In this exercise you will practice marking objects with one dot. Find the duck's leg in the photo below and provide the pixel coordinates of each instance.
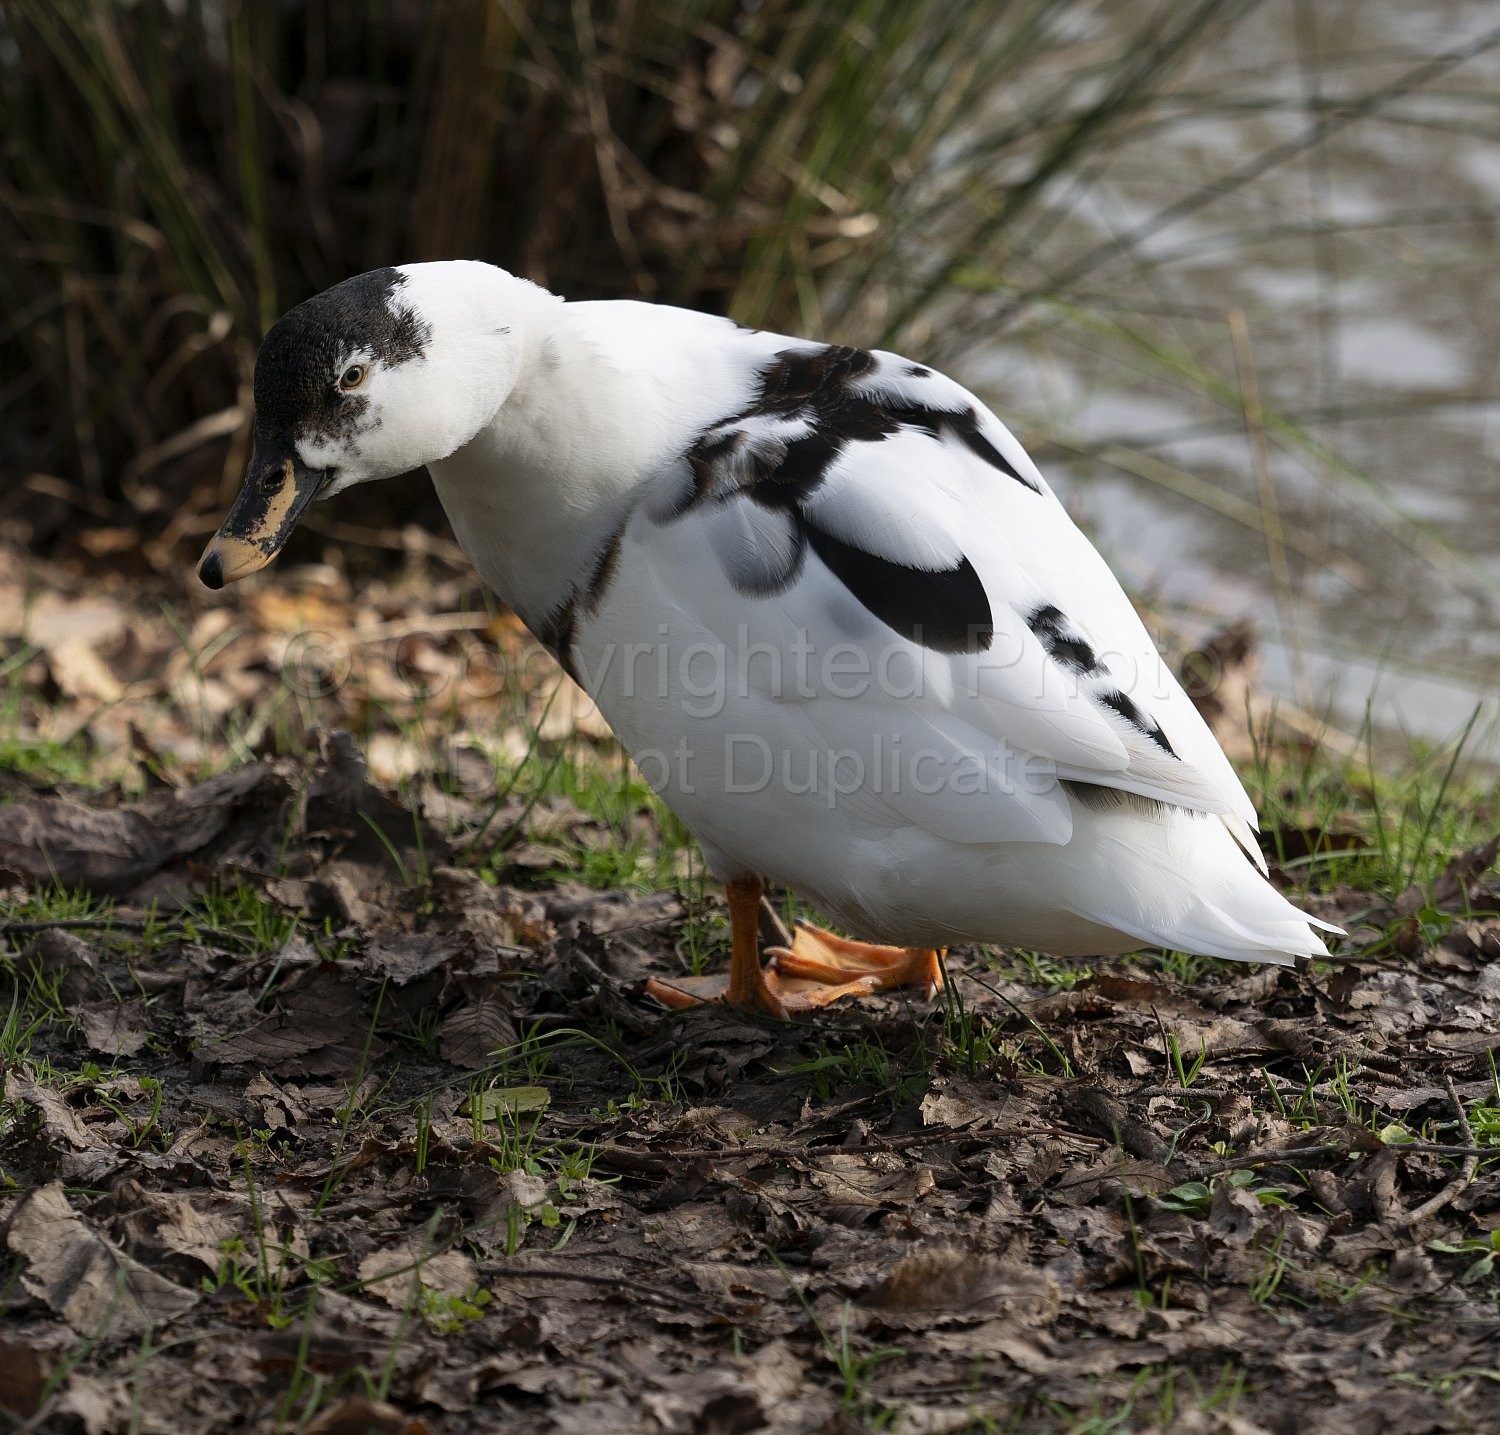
(816, 969)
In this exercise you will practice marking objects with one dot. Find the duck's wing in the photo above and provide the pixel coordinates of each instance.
(859, 485)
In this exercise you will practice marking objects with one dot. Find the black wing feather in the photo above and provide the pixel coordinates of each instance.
(835, 394)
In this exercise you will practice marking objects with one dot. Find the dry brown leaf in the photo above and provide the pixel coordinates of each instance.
(1452, 887)
(944, 1109)
(1064, 1006)
(502, 915)
(1212, 1039)
(89, 1281)
(283, 610)
(394, 1274)
(956, 1280)
(332, 896)
(27, 1359)
(55, 619)
(567, 710)
(109, 850)
(195, 1228)
(1151, 996)
(360, 1415)
(116, 1029)
(323, 1027)
(70, 960)
(1235, 1213)
(471, 1035)
(81, 673)
(60, 1123)
(101, 1405)
(875, 1180)
(406, 956)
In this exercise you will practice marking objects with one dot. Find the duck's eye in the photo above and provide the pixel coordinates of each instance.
(352, 377)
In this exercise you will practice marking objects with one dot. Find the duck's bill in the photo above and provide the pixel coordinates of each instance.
(277, 489)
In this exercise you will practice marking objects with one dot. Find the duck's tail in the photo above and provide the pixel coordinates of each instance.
(1186, 883)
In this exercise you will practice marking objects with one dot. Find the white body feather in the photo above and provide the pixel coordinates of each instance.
(916, 795)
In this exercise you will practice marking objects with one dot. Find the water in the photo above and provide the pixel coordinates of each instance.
(1367, 269)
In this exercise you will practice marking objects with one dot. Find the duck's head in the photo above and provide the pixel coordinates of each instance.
(377, 376)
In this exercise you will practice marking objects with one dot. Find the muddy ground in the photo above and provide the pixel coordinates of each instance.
(323, 1114)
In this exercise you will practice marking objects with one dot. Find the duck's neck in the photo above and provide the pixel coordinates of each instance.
(610, 394)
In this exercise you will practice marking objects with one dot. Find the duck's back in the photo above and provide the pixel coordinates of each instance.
(842, 622)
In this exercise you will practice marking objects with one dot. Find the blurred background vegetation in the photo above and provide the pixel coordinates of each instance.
(1162, 236)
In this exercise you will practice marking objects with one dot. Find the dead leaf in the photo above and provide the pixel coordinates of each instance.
(1222, 1036)
(72, 961)
(1150, 996)
(870, 1181)
(944, 1109)
(1110, 1174)
(86, 1279)
(27, 1360)
(101, 1405)
(501, 915)
(567, 710)
(330, 896)
(1409, 941)
(55, 619)
(360, 1415)
(323, 1028)
(471, 1035)
(1234, 1213)
(1064, 1006)
(81, 673)
(955, 1280)
(1452, 887)
(110, 850)
(114, 1028)
(60, 1123)
(394, 1274)
(404, 957)
(1408, 1098)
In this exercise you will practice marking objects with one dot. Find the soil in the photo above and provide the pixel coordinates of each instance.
(431, 1161)
(333, 1100)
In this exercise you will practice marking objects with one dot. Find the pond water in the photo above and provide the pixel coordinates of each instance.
(1365, 268)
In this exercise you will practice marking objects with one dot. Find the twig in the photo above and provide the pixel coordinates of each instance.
(774, 932)
(1195, 1091)
(1289, 1155)
(1286, 1155)
(864, 1148)
(1466, 1173)
(635, 1286)
(1100, 1110)
(121, 924)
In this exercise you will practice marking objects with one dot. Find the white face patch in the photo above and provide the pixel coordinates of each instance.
(430, 351)
(341, 481)
(346, 449)
(364, 358)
